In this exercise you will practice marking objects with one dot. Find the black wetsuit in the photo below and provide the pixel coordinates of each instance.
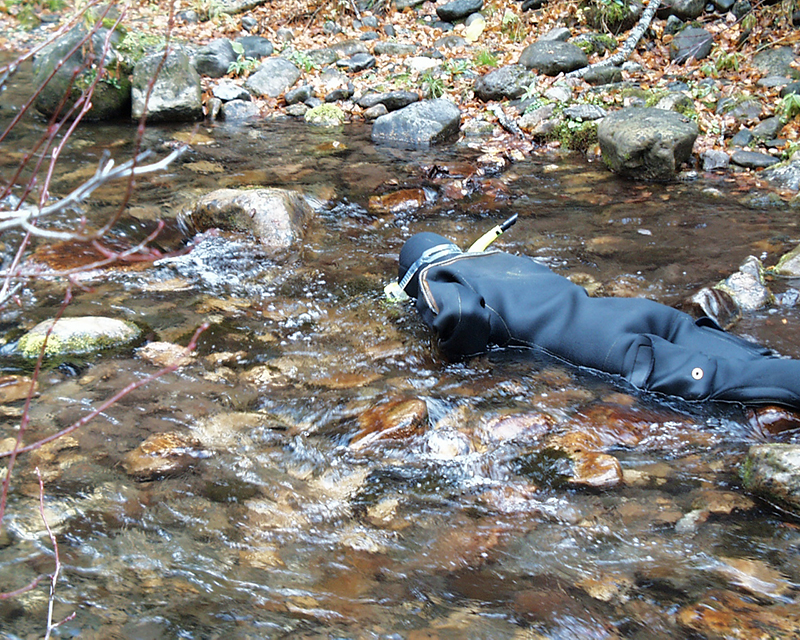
(476, 300)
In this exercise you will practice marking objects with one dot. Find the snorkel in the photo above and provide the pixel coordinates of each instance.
(430, 248)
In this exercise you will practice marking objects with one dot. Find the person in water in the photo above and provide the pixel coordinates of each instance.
(478, 299)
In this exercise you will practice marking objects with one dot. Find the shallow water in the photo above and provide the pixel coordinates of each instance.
(279, 526)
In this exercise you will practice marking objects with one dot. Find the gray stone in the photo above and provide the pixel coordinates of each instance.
(176, 94)
(458, 9)
(418, 125)
(214, 59)
(392, 100)
(646, 143)
(276, 217)
(775, 62)
(789, 264)
(692, 42)
(723, 6)
(585, 112)
(742, 138)
(322, 57)
(509, 82)
(393, 49)
(110, 99)
(357, 62)
(407, 4)
(374, 112)
(559, 34)
(773, 472)
(794, 87)
(535, 122)
(367, 36)
(299, 94)
(226, 90)
(450, 42)
(752, 159)
(740, 108)
(713, 160)
(77, 336)
(785, 176)
(674, 24)
(552, 58)
(272, 78)
(684, 9)
(603, 75)
(771, 82)
(345, 92)
(768, 128)
(348, 48)
(255, 47)
(747, 286)
(249, 24)
(675, 101)
(297, 110)
(239, 111)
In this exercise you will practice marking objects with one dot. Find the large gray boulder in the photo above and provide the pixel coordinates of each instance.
(420, 124)
(214, 59)
(691, 43)
(176, 95)
(646, 143)
(552, 57)
(111, 97)
(458, 9)
(276, 217)
(273, 77)
(506, 83)
(773, 472)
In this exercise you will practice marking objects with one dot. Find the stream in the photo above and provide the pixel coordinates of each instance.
(279, 524)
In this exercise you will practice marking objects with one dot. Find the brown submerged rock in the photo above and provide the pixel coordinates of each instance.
(722, 614)
(395, 420)
(161, 455)
(13, 387)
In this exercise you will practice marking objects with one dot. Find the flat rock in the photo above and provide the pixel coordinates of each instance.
(77, 336)
(646, 143)
(458, 9)
(552, 57)
(753, 159)
(420, 124)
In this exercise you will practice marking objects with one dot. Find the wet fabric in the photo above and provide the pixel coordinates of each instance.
(475, 301)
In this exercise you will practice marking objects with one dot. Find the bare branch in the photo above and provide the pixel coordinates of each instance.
(26, 217)
(627, 47)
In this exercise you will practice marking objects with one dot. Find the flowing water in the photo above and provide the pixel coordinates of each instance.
(280, 525)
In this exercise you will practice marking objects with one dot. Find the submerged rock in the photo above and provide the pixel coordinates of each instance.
(13, 387)
(773, 472)
(77, 336)
(161, 455)
(394, 420)
(276, 217)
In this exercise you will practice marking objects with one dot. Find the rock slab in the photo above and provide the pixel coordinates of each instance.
(420, 124)
(645, 143)
(77, 336)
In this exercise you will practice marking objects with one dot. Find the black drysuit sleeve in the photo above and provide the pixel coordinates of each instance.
(474, 301)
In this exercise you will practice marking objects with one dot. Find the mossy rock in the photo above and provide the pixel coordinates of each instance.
(77, 336)
(325, 115)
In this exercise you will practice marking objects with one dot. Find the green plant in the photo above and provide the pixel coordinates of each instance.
(456, 67)
(576, 135)
(485, 58)
(136, 44)
(432, 85)
(511, 26)
(299, 59)
(789, 106)
(242, 65)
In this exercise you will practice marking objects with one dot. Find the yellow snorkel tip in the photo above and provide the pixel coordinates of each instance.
(490, 236)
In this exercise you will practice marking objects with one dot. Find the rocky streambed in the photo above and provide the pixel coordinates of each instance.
(315, 468)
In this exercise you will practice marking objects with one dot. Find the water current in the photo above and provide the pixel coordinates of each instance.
(280, 526)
